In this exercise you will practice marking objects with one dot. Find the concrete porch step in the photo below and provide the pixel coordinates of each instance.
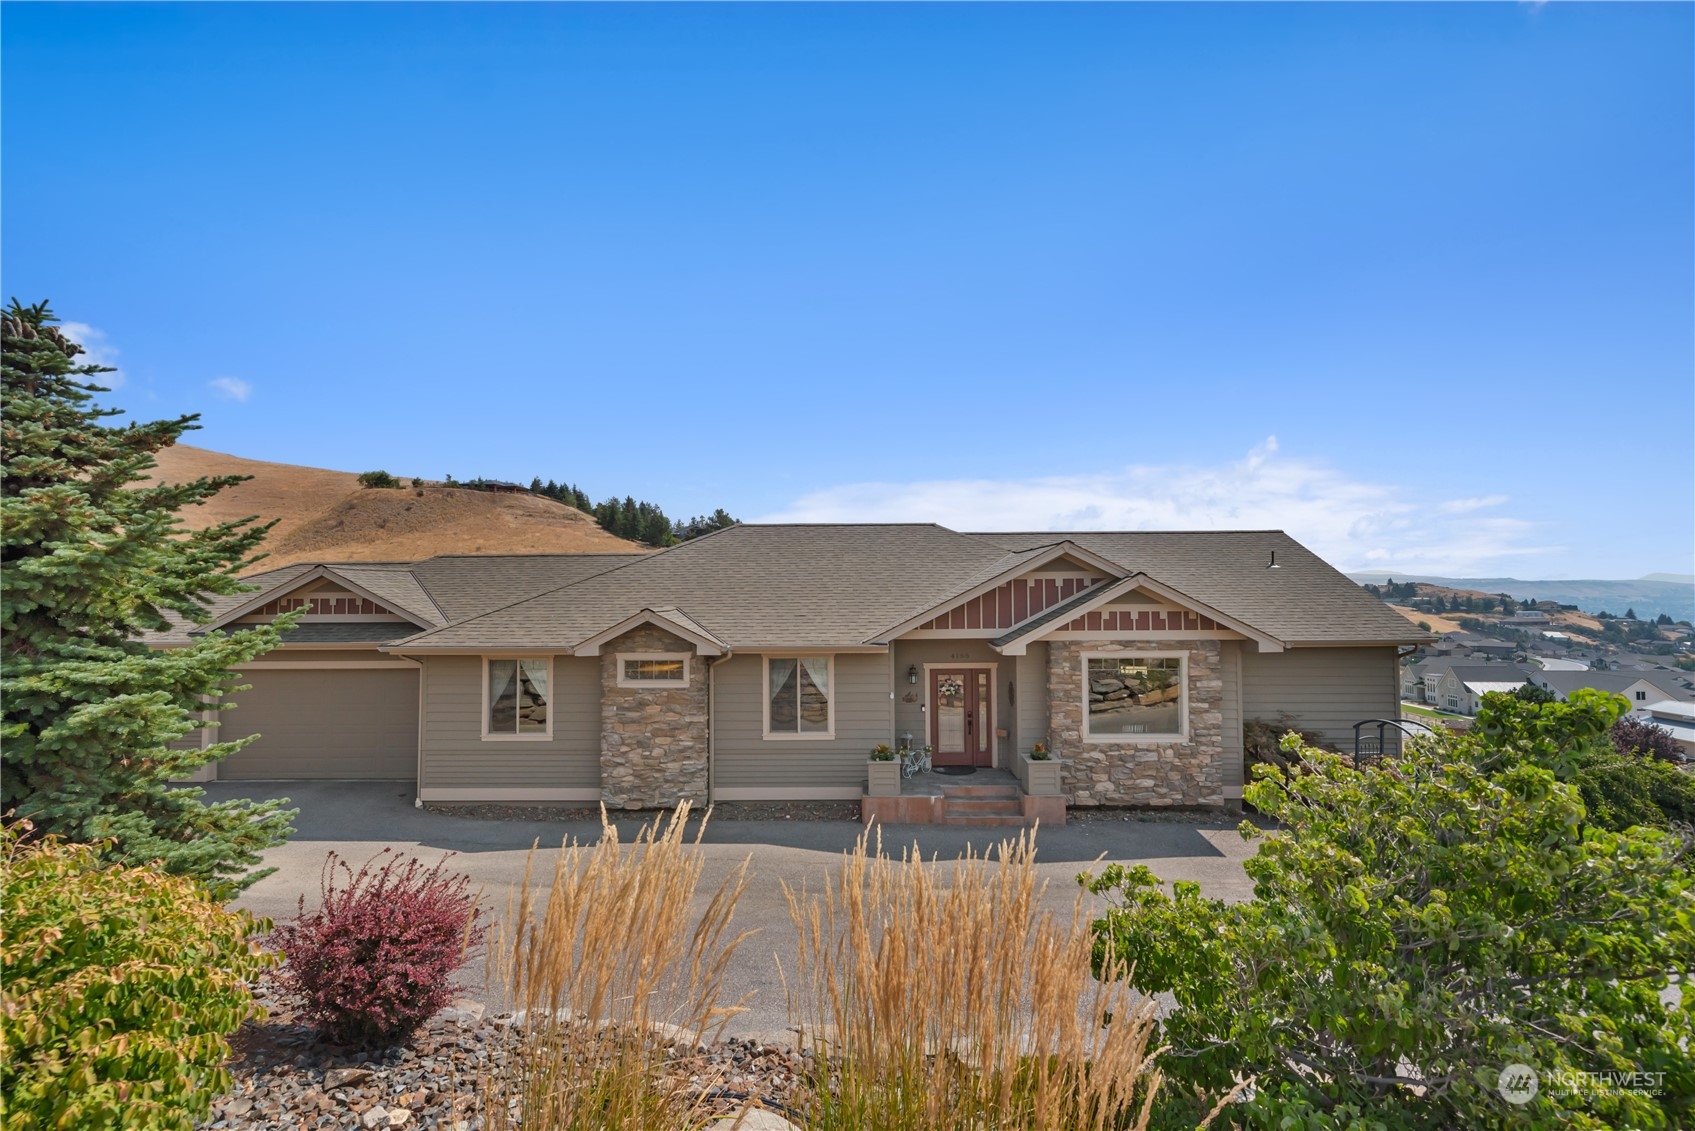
(984, 807)
(995, 821)
(997, 790)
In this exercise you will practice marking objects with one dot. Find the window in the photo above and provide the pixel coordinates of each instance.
(1641, 695)
(797, 697)
(516, 698)
(1134, 696)
(653, 669)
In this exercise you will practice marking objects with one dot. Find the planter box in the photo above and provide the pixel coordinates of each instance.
(1039, 779)
(882, 779)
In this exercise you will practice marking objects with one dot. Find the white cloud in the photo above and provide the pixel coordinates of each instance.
(1466, 506)
(96, 350)
(231, 388)
(1353, 523)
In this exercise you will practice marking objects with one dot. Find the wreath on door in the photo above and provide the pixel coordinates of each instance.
(948, 686)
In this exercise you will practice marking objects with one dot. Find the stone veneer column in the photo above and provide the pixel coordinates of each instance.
(652, 739)
(1178, 772)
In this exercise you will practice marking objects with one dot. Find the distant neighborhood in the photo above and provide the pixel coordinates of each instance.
(1494, 642)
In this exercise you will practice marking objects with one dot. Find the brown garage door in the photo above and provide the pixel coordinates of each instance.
(342, 723)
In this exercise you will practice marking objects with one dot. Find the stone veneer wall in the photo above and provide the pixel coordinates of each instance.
(1177, 772)
(652, 739)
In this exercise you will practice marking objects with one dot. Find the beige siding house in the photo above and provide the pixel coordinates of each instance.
(764, 662)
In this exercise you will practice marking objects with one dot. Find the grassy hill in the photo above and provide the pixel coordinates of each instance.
(325, 515)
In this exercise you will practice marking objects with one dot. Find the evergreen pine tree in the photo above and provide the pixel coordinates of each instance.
(92, 560)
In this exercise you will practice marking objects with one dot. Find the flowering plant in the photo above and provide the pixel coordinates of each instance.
(882, 752)
(1039, 752)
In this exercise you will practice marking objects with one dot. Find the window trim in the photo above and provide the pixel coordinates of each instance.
(663, 684)
(827, 735)
(1177, 736)
(552, 698)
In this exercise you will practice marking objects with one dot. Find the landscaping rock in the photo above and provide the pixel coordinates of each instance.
(346, 1077)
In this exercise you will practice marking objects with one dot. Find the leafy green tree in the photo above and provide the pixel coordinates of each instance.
(1417, 927)
(93, 559)
(700, 525)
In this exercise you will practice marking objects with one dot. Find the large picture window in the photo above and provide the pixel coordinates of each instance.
(1133, 696)
(797, 697)
(516, 702)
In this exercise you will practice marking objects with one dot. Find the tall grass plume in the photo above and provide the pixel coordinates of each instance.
(604, 976)
(943, 996)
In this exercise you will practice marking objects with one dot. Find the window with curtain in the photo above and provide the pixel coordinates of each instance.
(798, 694)
(517, 698)
(1131, 696)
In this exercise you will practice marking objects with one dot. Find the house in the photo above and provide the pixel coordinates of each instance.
(1458, 685)
(762, 662)
(1641, 688)
(1486, 646)
(1678, 718)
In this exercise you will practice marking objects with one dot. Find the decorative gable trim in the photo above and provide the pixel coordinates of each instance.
(1092, 617)
(670, 619)
(987, 599)
(277, 599)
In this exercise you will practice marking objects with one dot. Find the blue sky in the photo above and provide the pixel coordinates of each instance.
(1416, 283)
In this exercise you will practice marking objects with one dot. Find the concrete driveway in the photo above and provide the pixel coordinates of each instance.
(356, 819)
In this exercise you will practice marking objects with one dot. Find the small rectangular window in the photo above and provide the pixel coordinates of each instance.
(798, 696)
(669, 669)
(517, 699)
(1134, 696)
(1641, 695)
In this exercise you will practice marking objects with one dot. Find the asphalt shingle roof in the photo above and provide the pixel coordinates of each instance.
(1567, 682)
(816, 586)
(843, 585)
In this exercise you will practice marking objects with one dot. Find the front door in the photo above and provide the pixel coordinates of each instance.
(961, 729)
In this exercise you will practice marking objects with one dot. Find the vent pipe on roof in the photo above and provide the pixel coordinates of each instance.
(1273, 563)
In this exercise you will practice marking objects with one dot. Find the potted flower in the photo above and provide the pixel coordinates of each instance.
(1038, 773)
(882, 772)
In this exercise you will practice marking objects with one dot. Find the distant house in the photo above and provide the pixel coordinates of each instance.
(1555, 664)
(1643, 689)
(1679, 719)
(1485, 645)
(1458, 685)
(1530, 616)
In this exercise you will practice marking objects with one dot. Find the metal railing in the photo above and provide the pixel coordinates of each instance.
(1370, 748)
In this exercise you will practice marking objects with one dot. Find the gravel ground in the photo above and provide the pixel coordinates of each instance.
(287, 1078)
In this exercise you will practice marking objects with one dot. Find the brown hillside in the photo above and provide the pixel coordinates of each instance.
(325, 515)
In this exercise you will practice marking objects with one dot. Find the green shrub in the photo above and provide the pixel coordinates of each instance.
(1416, 928)
(120, 985)
(377, 479)
(1627, 789)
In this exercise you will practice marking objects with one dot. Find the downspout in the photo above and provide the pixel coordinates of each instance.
(711, 729)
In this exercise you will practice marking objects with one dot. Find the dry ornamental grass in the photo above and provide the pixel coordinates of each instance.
(932, 996)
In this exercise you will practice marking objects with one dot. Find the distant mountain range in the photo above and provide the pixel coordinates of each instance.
(1669, 593)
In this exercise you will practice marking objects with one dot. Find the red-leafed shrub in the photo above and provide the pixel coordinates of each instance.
(1632, 735)
(377, 958)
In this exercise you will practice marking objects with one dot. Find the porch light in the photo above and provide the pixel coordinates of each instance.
(912, 674)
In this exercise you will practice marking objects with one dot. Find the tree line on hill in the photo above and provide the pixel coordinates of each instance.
(1405, 591)
(628, 518)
